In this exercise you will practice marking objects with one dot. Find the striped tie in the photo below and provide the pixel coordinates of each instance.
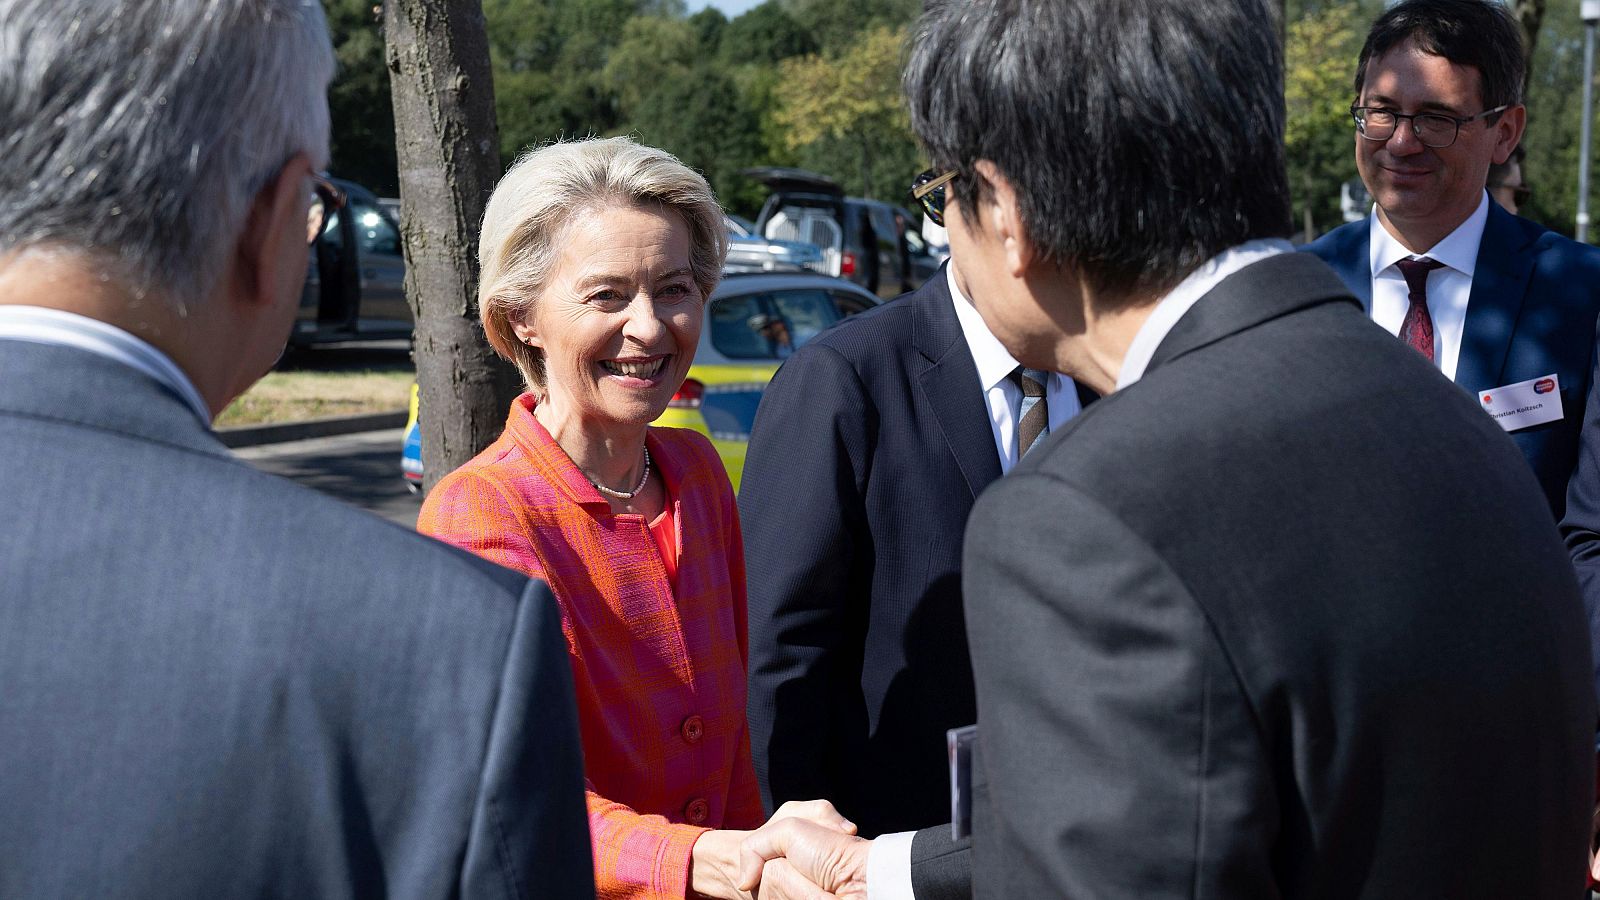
(1033, 417)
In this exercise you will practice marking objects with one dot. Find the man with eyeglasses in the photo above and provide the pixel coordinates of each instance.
(1503, 307)
(869, 449)
(214, 683)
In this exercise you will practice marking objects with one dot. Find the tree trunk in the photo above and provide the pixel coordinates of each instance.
(448, 152)
(1283, 28)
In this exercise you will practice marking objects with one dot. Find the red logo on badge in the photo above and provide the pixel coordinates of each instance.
(1544, 385)
(1487, 398)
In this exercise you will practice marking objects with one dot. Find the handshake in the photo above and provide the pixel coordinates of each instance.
(806, 851)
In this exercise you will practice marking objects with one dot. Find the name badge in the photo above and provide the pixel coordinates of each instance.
(1524, 404)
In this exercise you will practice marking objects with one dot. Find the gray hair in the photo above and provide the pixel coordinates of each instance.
(539, 196)
(1143, 136)
(137, 133)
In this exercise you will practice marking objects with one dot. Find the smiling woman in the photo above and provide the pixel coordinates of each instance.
(597, 260)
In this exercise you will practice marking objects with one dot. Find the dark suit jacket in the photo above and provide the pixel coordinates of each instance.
(218, 684)
(1535, 297)
(1285, 618)
(868, 449)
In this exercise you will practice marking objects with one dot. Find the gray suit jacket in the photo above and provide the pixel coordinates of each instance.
(216, 683)
(1286, 618)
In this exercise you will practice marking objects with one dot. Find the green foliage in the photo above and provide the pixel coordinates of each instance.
(847, 105)
(838, 25)
(1555, 119)
(712, 91)
(1320, 53)
(765, 35)
(358, 100)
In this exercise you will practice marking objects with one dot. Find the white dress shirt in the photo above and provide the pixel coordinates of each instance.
(1178, 301)
(1001, 395)
(39, 325)
(889, 858)
(1449, 286)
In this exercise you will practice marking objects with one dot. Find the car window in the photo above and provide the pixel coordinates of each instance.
(374, 232)
(849, 304)
(805, 313)
(883, 226)
(736, 324)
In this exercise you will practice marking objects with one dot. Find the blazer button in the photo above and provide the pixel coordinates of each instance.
(697, 811)
(694, 728)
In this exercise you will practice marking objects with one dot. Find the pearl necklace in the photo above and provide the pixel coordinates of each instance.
(627, 495)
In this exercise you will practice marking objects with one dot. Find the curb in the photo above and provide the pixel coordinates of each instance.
(253, 435)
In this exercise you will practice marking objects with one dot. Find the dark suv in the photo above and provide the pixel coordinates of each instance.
(355, 285)
(875, 244)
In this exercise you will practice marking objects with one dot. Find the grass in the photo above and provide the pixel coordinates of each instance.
(296, 396)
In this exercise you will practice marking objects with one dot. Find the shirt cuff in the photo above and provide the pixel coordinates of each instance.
(889, 867)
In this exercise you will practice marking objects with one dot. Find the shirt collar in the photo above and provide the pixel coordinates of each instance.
(41, 325)
(1458, 249)
(1178, 301)
(995, 363)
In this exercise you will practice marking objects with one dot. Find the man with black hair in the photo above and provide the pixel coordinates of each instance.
(1503, 307)
(1283, 614)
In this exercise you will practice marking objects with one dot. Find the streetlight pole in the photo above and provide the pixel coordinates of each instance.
(1589, 11)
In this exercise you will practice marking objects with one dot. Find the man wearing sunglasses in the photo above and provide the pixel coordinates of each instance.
(216, 683)
(1493, 301)
(870, 446)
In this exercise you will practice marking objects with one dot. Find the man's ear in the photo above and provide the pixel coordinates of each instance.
(1508, 132)
(1001, 215)
(274, 234)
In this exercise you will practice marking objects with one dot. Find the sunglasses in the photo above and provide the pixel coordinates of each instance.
(928, 189)
(326, 198)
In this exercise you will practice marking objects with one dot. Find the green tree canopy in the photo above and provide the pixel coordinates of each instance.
(848, 104)
(1320, 56)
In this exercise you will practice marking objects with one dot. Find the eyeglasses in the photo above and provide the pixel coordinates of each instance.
(929, 190)
(1434, 130)
(325, 199)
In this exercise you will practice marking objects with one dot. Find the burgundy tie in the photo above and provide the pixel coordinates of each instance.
(1417, 327)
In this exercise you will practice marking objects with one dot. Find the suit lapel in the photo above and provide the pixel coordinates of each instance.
(1351, 258)
(1499, 284)
(950, 384)
(1257, 293)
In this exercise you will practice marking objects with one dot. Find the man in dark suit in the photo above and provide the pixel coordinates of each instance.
(1497, 300)
(869, 448)
(219, 684)
(1282, 615)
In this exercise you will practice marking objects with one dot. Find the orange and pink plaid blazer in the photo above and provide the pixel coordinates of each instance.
(660, 677)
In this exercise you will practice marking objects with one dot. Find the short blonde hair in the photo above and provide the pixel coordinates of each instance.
(541, 194)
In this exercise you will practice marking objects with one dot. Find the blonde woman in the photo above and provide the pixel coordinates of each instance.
(597, 258)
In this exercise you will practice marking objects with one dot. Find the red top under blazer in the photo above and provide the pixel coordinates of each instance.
(660, 676)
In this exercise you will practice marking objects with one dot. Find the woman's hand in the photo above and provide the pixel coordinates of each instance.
(714, 861)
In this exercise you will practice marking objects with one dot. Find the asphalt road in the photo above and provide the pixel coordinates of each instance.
(360, 469)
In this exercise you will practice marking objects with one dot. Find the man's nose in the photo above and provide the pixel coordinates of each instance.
(1404, 140)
